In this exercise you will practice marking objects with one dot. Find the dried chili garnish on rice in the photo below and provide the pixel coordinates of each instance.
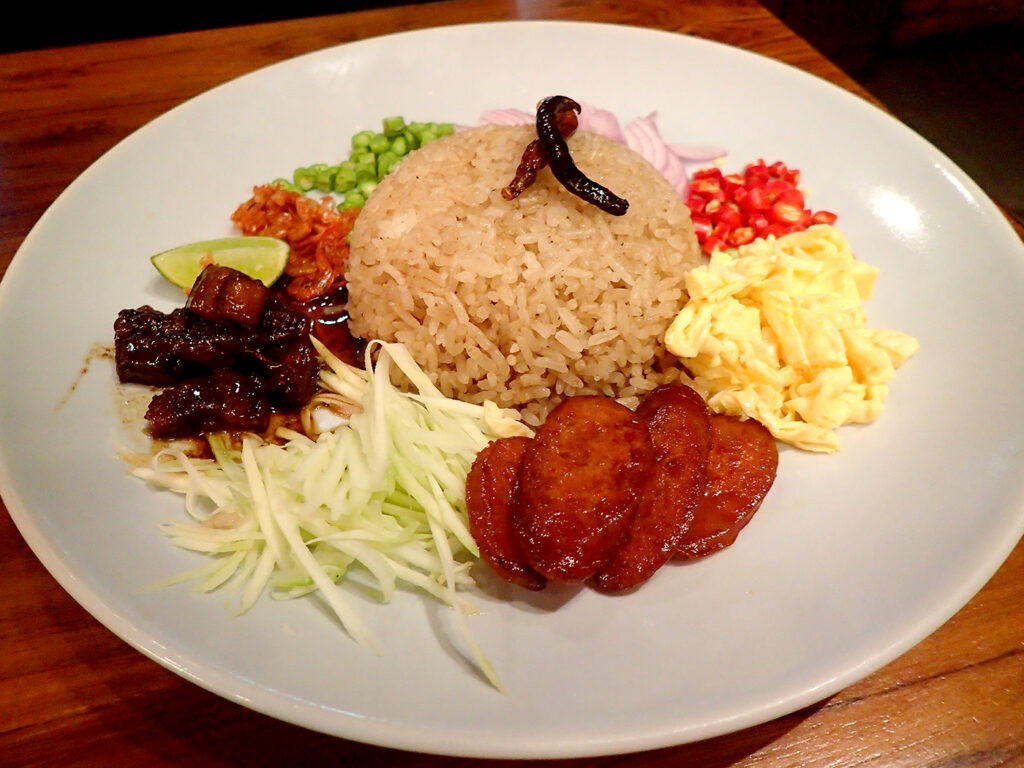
(534, 157)
(561, 162)
(317, 233)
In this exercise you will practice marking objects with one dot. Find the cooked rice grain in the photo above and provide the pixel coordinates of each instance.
(530, 301)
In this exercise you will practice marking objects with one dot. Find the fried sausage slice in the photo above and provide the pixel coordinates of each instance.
(680, 428)
(490, 487)
(579, 485)
(741, 470)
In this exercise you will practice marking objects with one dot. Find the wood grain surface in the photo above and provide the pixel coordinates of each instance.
(73, 694)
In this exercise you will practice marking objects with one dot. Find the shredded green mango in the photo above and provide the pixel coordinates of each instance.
(376, 501)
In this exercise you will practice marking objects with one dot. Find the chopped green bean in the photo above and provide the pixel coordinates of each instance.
(304, 178)
(345, 178)
(361, 140)
(373, 156)
(353, 199)
(399, 146)
(325, 177)
(393, 126)
(366, 174)
(386, 162)
(363, 161)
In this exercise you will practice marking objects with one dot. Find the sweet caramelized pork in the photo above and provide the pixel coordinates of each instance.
(225, 295)
(222, 400)
(228, 327)
(159, 349)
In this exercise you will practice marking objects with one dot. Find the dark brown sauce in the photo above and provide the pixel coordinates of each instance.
(97, 351)
(330, 323)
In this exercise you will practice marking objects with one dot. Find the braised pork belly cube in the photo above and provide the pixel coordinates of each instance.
(223, 400)
(291, 372)
(225, 295)
(143, 354)
(159, 349)
(230, 356)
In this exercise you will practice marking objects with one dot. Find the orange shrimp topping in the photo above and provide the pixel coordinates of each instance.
(317, 233)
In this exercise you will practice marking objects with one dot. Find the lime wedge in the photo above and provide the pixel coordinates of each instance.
(261, 258)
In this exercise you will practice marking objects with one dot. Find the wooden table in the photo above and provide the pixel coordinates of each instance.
(71, 693)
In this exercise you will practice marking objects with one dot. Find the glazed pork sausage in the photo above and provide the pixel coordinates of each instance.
(680, 428)
(490, 487)
(579, 485)
(741, 470)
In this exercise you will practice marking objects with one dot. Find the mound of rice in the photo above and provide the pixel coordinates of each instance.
(530, 301)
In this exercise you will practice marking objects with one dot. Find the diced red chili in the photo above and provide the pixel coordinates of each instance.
(729, 215)
(733, 183)
(792, 197)
(702, 226)
(713, 244)
(784, 213)
(777, 187)
(734, 209)
(708, 173)
(741, 236)
(757, 174)
(760, 223)
(696, 204)
(706, 188)
(755, 200)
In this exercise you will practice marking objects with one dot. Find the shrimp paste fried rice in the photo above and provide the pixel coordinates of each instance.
(530, 301)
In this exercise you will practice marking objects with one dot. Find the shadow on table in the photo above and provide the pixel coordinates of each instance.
(951, 70)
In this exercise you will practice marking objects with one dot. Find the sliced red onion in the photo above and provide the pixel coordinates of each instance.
(690, 153)
(507, 117)
(642, 137)
(600, 121)
(676, 174)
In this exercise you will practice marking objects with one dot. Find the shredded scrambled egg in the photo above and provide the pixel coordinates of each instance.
(777, 332)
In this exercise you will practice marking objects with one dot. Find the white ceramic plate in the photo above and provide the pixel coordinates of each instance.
(852, 560)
